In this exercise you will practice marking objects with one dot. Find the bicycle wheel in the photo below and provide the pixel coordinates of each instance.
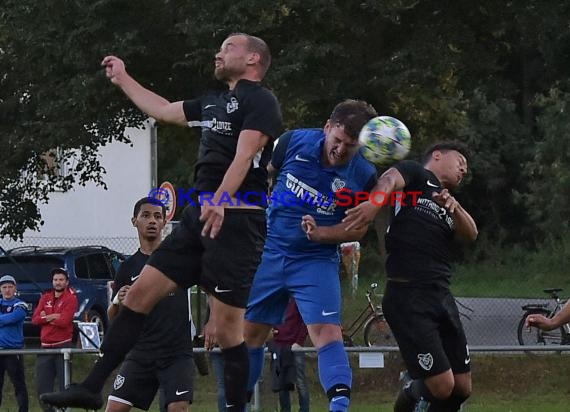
(535, 336)
(377, 332)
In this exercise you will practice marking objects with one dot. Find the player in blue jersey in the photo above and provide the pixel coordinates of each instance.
(300, 256)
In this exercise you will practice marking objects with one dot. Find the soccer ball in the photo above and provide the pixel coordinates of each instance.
(384, 140)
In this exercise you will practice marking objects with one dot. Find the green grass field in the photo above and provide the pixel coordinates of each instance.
(518, 383)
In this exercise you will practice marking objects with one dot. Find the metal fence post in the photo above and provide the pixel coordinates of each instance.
(66, 367)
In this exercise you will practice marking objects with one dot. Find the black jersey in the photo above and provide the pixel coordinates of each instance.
(419, 240)
(166, 331)
(222, 117)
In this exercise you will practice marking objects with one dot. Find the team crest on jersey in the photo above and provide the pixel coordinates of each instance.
(119, 381)
(232, 106)
(425, 360)
(337, 184)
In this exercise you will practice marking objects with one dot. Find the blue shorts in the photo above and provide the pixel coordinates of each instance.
(313, 282)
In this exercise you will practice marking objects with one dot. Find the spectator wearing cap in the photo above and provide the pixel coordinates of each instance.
(54, 314)
(12, 314)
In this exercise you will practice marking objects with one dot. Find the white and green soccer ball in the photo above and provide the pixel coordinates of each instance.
(384, 140)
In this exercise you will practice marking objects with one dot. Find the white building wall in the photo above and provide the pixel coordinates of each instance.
(92, 215)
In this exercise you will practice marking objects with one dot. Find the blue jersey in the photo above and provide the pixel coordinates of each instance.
(12, 315)
(305, 187)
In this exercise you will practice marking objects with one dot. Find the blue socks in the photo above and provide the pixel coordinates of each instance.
(256, 359)
(335, 375)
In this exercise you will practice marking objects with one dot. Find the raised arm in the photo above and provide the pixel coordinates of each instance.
(250, 142)
(147, 101)
(362, 215)
(465, 226)
(331, 234)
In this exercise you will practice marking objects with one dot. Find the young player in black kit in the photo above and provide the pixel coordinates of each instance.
(162, 357)
(238, 127)
(417, 303)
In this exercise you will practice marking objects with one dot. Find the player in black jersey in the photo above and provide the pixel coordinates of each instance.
(417, 303)
(238, 127)
(162, 357)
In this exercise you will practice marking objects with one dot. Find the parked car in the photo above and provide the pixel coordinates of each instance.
(90, 269)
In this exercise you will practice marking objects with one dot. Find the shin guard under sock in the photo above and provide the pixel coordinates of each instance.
(236, 371)
(335, 375)
(256, 360)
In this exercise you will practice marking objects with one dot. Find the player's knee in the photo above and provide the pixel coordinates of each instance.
(323, 334)
(462, 393)
(181, 406)
(229, 334)
(255, 334)
(114, 406)
(462, 386)
(441, 389)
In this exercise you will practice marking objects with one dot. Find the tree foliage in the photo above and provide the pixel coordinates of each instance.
(492, 75)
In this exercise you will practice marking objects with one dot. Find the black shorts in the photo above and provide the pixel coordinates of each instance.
(426, 325)
(138, 380)
(223, 266)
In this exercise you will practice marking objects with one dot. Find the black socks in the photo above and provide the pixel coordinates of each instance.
(236, 371)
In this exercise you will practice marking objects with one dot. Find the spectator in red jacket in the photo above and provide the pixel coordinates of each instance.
(54, 314)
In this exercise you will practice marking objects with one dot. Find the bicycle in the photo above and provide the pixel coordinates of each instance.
(371, 318)
(529, 335)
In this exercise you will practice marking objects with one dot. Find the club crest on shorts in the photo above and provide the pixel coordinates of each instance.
(425, 360)
(119, 381)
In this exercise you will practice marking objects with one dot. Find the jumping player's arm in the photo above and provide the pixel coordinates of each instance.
(362, 215)
(465, 226)
(147, 101)
(261, 124)
(331, 234)
(250, 142)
